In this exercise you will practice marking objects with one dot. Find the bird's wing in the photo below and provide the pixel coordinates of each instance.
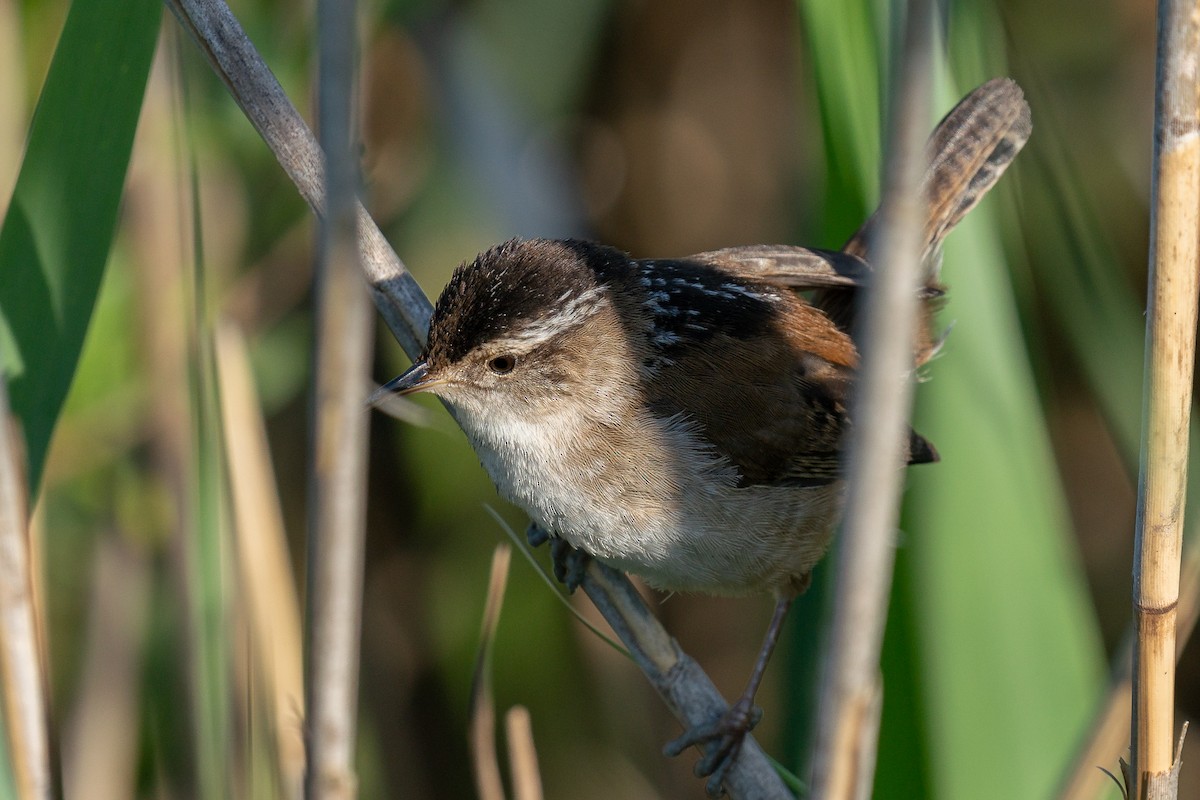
(758, 369)
(764, 374)
(785, 265)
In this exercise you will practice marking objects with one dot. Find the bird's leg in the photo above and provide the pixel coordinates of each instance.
(731, 728)
(569, 562)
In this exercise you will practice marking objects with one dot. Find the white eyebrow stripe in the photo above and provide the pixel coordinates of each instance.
(571, 315)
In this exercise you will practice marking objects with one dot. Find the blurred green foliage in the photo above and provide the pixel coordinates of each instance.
(59, 222)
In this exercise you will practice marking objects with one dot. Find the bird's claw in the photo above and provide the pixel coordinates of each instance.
(723, 737)
(569, 563)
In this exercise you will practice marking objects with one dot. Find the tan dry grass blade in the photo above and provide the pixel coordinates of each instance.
(485, 765)
(522, 754)
(100, 747)
(266, 580)
(1171, 344)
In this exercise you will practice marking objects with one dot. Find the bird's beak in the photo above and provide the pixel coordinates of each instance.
(416, 379)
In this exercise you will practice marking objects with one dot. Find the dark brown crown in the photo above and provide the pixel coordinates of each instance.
(513, 284)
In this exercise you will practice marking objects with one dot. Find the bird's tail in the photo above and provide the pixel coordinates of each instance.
(967, 153)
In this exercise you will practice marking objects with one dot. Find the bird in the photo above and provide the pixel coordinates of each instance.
(684, 419)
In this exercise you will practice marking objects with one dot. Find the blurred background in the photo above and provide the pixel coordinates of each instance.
(173, 563)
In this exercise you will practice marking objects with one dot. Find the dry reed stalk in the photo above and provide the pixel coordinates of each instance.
(687, 691)
(266, 580)
(851, 695)
(21, 671)
(338, 455)
(1170, 355)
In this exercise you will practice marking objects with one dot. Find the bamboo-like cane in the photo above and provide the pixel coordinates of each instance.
(686, 690)
(1108, 735)
(1167, 392)
(850, 698)
(337, 526)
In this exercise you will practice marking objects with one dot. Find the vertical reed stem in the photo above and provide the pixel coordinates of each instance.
(1167, 392)
(848, 721)
(338, 461)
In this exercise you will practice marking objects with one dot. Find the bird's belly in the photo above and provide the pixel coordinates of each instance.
(742, 541)
(681, 528)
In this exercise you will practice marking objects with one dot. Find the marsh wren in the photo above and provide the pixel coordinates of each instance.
(683, 419)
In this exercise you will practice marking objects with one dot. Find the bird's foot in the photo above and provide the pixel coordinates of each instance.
(722, 740)
(569, 562)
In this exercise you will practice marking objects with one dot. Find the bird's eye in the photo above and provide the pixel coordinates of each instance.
(502, 365)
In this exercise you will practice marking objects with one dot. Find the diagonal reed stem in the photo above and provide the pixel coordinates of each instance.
(398, 298)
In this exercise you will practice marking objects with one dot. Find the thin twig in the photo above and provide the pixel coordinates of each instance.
(21, 673)
(1167, 391)
(688, 692)
(339, 439)
(847, 734)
